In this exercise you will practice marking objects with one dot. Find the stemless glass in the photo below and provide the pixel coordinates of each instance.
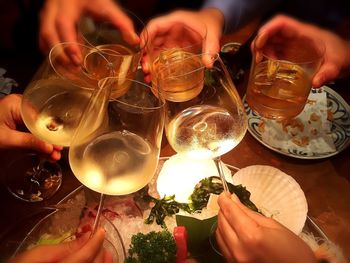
(51, 108)
(123, 53)
(281, 74)
(206, 119)
(178, 42)
(118, 155)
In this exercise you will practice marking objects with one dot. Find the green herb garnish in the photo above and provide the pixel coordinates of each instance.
(153, 247)
(167, 206)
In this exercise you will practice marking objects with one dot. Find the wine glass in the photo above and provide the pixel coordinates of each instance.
(116, 147)
(123, 53)
(205, 117)
(51, 107)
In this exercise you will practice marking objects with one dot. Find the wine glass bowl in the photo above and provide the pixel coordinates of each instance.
(51, 107)
(120, 156)
(212, 122)
(55, 99)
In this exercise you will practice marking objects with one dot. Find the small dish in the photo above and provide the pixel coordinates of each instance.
(340, 127)
(62, 224)
(276, 194)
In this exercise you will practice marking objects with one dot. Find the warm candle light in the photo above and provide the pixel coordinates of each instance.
(180, 174)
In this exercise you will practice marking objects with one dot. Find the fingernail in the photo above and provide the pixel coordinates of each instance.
(76, 59)
(48, 147)
(58, 147)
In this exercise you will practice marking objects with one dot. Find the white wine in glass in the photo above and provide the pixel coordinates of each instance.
(209, 124)
(121, 155)
(51, 108)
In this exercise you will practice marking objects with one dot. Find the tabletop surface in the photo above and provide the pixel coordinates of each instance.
(325, 182)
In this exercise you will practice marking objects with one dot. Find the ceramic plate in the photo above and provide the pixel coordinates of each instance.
(340, 127)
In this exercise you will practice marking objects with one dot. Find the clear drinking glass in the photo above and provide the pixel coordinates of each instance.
(122, 53)
(116, 147)
(51, 108)
(281, 74)
(178, 42)
(205, 117)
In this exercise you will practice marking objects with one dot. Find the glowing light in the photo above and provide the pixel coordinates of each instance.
(95, 179)
(180, 174)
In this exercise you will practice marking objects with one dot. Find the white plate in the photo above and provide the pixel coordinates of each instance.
(340, 128)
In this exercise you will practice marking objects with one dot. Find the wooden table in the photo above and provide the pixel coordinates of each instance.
(326, 184)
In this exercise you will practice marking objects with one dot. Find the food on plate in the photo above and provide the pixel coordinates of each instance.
(155, 247)
(180, 236)
(140, 216)
(168, 206)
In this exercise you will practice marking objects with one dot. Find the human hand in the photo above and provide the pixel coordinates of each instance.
(246, 236)
(58, 20)
(10, 119)
(337, 55)
(208, 23)
(82, 250)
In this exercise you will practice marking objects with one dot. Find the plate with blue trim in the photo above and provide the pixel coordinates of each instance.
(337, 108)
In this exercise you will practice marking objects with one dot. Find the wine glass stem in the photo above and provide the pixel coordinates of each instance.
(221, 173)
(98, 215)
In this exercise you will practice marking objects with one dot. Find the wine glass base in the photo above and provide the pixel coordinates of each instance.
(23, 185)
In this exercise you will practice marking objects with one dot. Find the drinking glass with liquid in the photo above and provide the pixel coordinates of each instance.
(122, 52)
(281, 73)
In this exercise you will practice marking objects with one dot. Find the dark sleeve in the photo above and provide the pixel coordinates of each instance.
(239, 12)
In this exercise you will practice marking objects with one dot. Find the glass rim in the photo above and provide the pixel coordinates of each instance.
(67, 43)
(321, 50)
(159, 95)
(152, 48)
(213, 57)
(63, 45)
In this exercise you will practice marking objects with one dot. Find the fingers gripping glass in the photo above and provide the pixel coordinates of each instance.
(52, 105)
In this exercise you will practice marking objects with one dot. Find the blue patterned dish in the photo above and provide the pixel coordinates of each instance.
(340, 128)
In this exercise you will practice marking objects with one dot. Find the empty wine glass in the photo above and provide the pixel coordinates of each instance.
(123, 53)
(115, 149)
(51, 108)
(205, 117)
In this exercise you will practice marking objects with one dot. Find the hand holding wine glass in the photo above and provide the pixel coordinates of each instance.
(205, 117)
(51, 107)
(12, 137)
